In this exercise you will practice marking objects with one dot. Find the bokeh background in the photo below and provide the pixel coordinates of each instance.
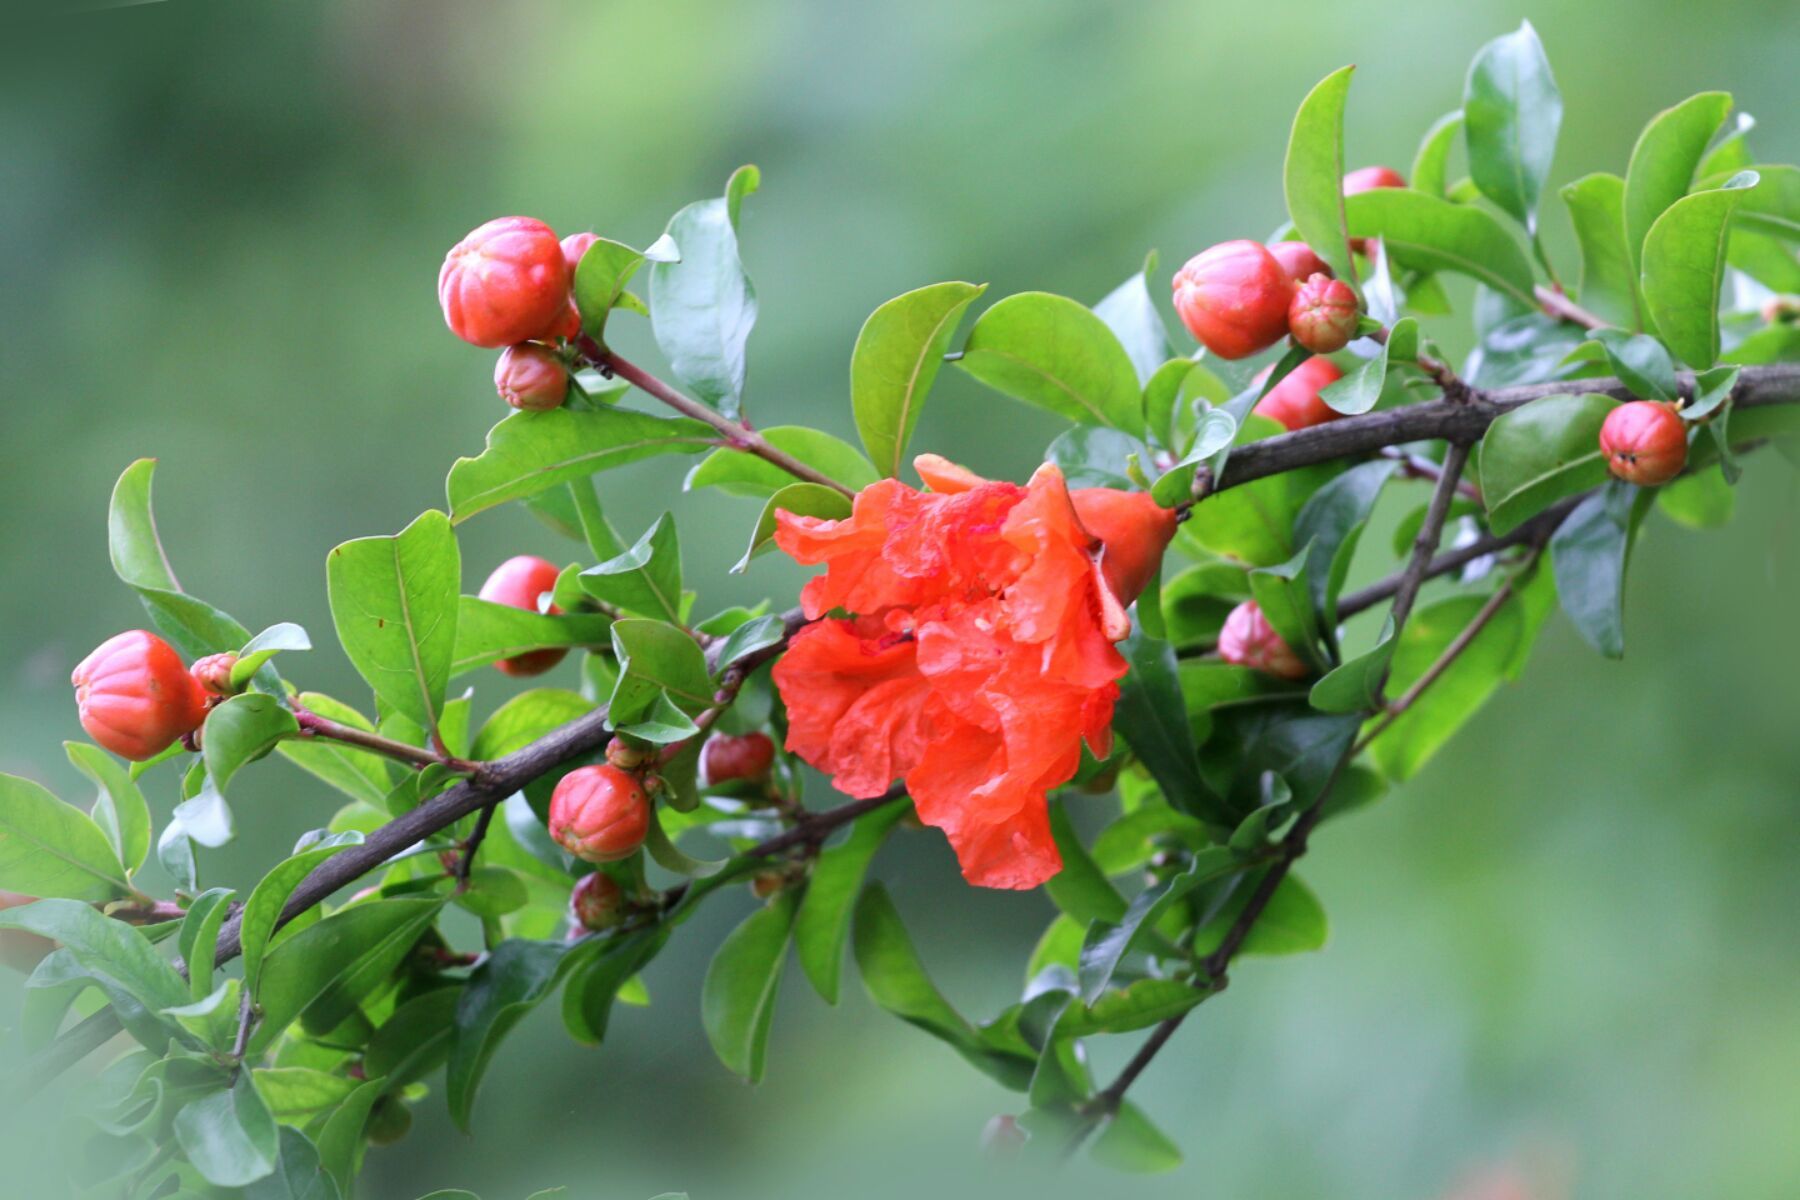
(1568, 951)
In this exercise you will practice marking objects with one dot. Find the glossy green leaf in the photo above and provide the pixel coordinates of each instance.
(1512, 112)
(1428, 233)
(1355, 686)
(241, 730)
(1684, 265)
(756, 634)
(1312, 176)
(606, 267)
(1293, 922)
(262, 911)
(737, 998)
(1277, 733)
(1109, 942)
(644, 579)
(737, 473)
(487, 632)
(531, 451)
(1663, 162)
(1254, 523)
(1131, 314)
(415, 1040)
(526, 717)
(341, 1139)
(802, 499)
(116, 956)
(1358, 392)
(1285, 596)
(196, 627)
(1589, 552)
(1151, 718)
(1772, 207)
(120, 810)
(1641, 363)
(1128, 1141)
(359, 774)
(48, 848)
(824, 917)
(1079, 889)
(264, 646)
(1331, 523)
(656, 659)
(297, 1174)
(1431, 164)
(229, 1136)
(1608, 278)
(703, 306)
(593, 987)
(1139, 1005)
(1052, 352)
(1538, 453)
(325, 970)
(394, 601)
(896, 359)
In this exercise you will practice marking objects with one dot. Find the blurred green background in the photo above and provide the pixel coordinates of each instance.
(1567, 950)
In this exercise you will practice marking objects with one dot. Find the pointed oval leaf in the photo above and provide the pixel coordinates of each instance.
(1684, 266)
(1054, 353)
(895, 362)
(702, 306)
(1512, 111)
(1313, 175)
(1429, 233)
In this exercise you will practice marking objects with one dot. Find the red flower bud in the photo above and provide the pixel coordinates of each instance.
(1248, 641)
(1323, 314)
(597, 901)
(213, 674)
(1644, 442)
(1294, 402)
(574, 246)
(506, 282)
(1368, 179)
(1298, 260)
(1133, 529)
(1234, 298)
(599, 813)
(627, 755)
(135, 697)
(726, 758)
(20, 950)
(531, 376)
(522, 582)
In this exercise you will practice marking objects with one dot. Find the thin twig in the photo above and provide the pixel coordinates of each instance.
(1554, 302)
(313, 725)
(1425, 544)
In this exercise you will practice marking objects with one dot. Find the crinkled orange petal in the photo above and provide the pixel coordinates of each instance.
(854, 703)
(942, 475)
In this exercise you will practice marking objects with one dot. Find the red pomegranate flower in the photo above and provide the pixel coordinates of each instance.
(978, 657)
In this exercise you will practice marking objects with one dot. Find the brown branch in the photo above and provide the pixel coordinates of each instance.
(1557, 304)
(1431, 532)
(313, 725)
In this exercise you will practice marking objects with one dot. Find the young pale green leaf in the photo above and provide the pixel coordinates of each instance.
(737, 473)
(1772, 207)
(205, 816)
(195, 626)
(1131, 314)
(1663, 162)
(1589, 553)
(266, 645)
(802, 499)
(1152, 719)
(1431, 165)
(212, 1020)
(669, 857)
(824, 917)
(1684, 265)
(1358, 392)
(1313, 174)
(487, 632)
(1428, 233)
(48, 848)
(341, 1140)
(1608, 278)
(1128, 1141)
(604, 270)
(1080, 889)
(241, 730)
(656, 659)
(1355, 686)
(1139, 1005)
(645, 579)
(356, 773)
(1731, 153)
(759, 633)
(1640, 361)
(1331, 524)
(394, 601)
(737, 998)
(1213, 433)
(1052, 352)
(230, 1136)
(702, 306)
(531, 451)
(1540, 452)
(896, 360)
(175, 854)
(1512, 112)
(325, 970)
(120, 810)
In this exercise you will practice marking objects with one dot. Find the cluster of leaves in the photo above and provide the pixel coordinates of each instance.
(273, 1076)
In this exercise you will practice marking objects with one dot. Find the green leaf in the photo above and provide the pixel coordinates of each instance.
(1356, 685)
(1129, 1142)
(229, 1136)
(702, 306)
(1131, 314)
(531, 451)
(120, 810)
(1430, 167)
(1313, 175)
(135, 978)
(284, 635)
(525, 718)
(1052, 352)
(492, 892)
(737, 998)
(196, 627)
(262, 911)
(1683, 266)
(1293, 922)
(394, 601)
(415, 1040)
(1286, 599)
(359, 774)
(508, 984)
(802, 499)
(1151, 718)
(1540, 452)
(1589, 552)
(1109, 942)
(1663, 161)
(212, 1020)
(896, 360)
(1213, 432)
(199, 937)
(1358, 392)
(669, 857)
(487, 632)
(1279, 733)
(604, 270)
(656, 658)
(1512, 111)
(1330, 524)
(646, 578)
(737, 473)
(341, 1140)
(295, 1095)
(1608, 277)
(756, 634)
(824, 916)
(1254, 523)
(325, 970)
(297, 1174)
(1640, 362)
(1428, 233)
(1772, 207)
(1702, 500)
(241, 730)
(48, 848)
(1080, 889)
(588, 999)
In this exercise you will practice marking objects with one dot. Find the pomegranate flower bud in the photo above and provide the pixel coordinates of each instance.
(522, 582)
(1298, 260)
(506, 282)
(574, 246)
(1295, 401)
(1323, 314)
(1369, 179)
(726, 758)
(599, 814)
(1249, 641)
(597, 901)
(213, 673)
(628, 755)
(135, 697)
(531, 376)
(1644, 442)
(1133, 529)
(1234, 298)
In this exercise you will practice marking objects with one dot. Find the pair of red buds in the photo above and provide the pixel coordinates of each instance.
(135, 697)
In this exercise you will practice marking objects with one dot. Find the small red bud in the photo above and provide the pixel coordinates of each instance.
(1298, 260)
(766, 884)
(1645, 442)
(597, 901)
(599, 814)
(213, 673)
(1323, 314)
(726, 758)
(1003, 1138)
(522, 582)
(1234, 298)
(574, 246)
(135, 697)
(1248, 641)
(1133, 529)
(506, 282)
(1295, 402)
(628, 755)
(531, 376)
